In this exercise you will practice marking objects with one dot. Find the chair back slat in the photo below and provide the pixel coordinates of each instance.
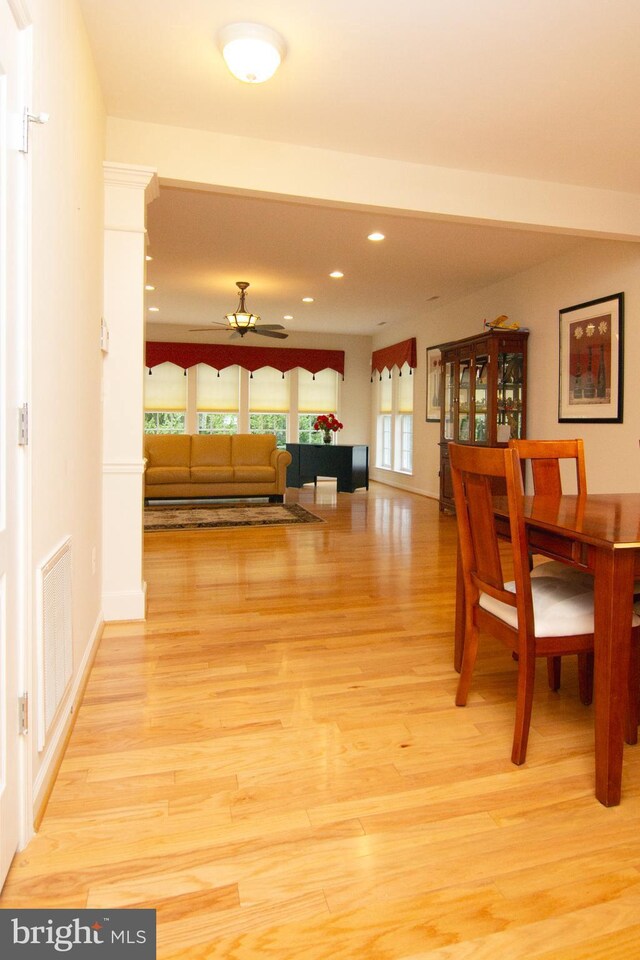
(545, 457)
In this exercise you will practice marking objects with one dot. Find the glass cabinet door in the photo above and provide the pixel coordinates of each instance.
(480, 398)
(510, 395)
(464, 398)
(449, 396)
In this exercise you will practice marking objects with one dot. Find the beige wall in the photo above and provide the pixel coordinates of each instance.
(66, 362)
(593, 269)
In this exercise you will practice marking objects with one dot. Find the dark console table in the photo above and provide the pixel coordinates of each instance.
(349, 465)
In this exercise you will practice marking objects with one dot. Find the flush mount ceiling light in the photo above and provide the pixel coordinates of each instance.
(252, 51)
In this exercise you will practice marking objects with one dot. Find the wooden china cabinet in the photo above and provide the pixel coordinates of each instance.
(483, 397)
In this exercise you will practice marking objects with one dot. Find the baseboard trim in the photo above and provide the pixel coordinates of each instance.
(56, 748)
(125, 604)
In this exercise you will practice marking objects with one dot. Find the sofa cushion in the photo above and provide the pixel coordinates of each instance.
(211, 474)
(210, 450)
(254, 474)
(167, 474)
(252, 449)
(167, 450)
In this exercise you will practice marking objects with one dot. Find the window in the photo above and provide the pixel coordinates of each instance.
(165, 399)
(395, 421)
(270, 423)
(404, 403)
(316, 394)
(406, 442)
(156, 421)
(269, 403)
(217, 399)
(384, 440)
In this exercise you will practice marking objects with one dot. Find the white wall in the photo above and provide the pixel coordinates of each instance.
(591, 270)
(66, 362)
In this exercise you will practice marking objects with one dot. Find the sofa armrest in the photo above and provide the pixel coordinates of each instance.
(280, 459)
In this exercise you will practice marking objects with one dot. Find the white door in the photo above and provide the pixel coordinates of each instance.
(13, 307)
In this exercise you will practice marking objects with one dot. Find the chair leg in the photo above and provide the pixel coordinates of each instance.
(524, 703)
(553, 672)
(468, 663)
(585, 677)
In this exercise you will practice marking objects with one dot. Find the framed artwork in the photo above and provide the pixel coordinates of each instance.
(434, 379)
(591, 361)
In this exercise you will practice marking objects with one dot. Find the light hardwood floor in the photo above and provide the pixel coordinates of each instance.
(275, 763)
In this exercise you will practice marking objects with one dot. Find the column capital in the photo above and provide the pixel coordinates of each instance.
(134, 177)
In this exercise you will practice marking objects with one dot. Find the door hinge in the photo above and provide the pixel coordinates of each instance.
(23, 425)
(27, 118)
(23, 713)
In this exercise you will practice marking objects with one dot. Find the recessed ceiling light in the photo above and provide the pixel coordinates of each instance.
(154, 309)
(376, 236)
(307, 299)
(149, 286)
(337, 273)
(287, 316)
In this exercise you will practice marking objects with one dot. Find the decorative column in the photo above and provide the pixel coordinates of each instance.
(127, 191)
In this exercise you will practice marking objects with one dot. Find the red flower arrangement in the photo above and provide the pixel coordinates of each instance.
(329, 424)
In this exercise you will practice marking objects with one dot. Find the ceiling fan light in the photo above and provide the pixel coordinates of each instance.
(251, 51)
(242, 321)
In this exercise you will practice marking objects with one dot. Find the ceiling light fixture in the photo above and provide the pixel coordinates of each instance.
(307, 299)
(337, 274)
(242, 319)
(376, 236)
(251, 51)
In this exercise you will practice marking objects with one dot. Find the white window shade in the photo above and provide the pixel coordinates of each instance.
(319, 395)
(385, 394)
(166, 388)
(405, 390)
(217, 391)
(269, 391)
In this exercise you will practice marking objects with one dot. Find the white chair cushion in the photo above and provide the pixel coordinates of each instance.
(554, 568)
(562, 605)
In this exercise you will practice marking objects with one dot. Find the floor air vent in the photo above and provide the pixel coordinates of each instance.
(57, 635)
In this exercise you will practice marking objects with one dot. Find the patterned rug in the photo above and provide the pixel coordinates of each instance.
(193, 516)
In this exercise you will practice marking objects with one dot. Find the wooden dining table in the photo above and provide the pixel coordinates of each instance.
(600, 534)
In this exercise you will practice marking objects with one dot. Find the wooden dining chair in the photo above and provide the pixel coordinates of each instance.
(533, 617)
(544, 457)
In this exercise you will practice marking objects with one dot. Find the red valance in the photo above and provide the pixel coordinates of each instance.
(220, 355)
(394, 356)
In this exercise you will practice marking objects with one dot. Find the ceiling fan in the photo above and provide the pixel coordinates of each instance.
(242, 321)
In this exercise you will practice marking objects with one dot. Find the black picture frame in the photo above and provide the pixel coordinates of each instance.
(591, 367)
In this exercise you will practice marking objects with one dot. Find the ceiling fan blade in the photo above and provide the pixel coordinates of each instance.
(209, 327)
(270, 333)
(268, 326)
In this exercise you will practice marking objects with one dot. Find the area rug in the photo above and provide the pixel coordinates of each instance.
(212, 515)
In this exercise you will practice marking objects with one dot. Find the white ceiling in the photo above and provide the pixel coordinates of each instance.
(545, 90)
